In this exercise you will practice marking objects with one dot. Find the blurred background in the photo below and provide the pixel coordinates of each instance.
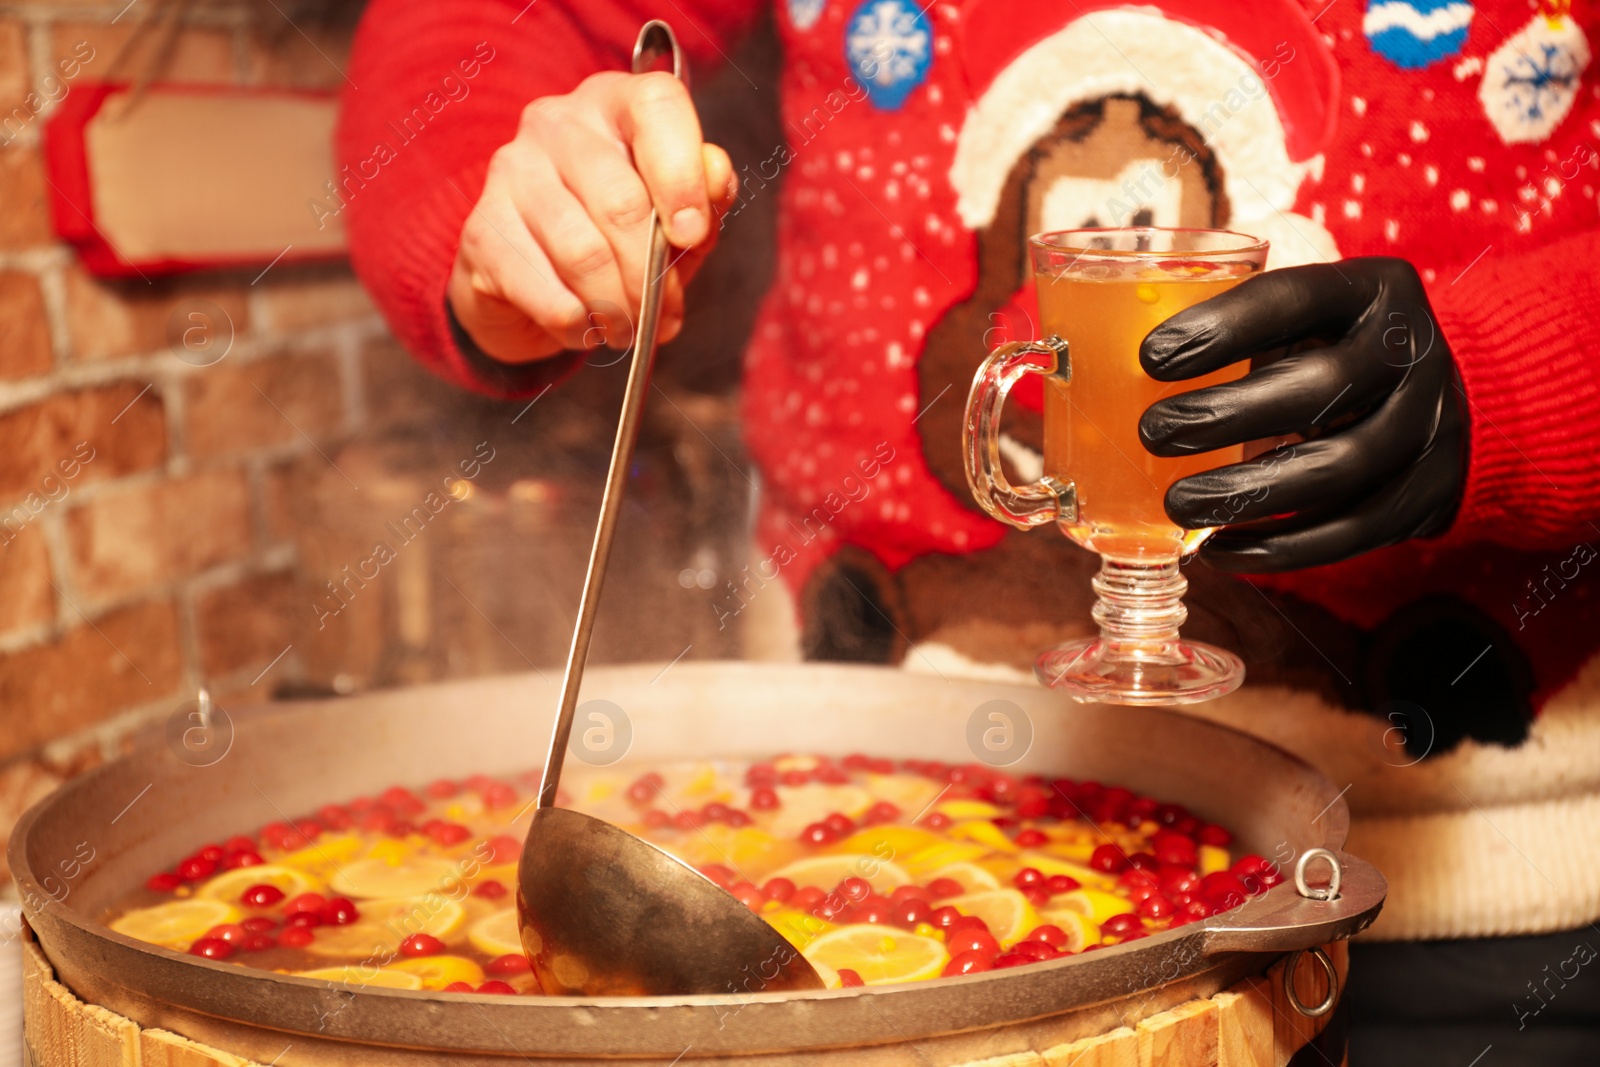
(219, 529)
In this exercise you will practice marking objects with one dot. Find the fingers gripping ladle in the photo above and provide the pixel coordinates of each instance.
(603, 912)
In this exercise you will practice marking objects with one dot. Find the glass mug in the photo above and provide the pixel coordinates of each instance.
(1100, 292)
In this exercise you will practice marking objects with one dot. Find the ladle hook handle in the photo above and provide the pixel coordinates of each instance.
(656, 39)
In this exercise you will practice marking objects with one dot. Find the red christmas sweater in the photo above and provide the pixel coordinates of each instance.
(1462, 136)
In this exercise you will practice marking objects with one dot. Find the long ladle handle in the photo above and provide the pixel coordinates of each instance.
(655, 40)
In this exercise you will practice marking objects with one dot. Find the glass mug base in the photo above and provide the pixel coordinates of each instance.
(1097, 671)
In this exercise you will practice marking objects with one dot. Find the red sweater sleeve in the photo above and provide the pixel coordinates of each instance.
(432, 90)
(1523, 329)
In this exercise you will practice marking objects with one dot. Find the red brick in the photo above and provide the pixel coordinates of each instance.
(398, 391)
(26, 598)
(25, 348)
(248, 623)
(25, 222)
(115, 429)
(125, 659)
(197, 55)
(14, 80)
(23, 783)
(134, 537)
(271, 401)
(120, 318)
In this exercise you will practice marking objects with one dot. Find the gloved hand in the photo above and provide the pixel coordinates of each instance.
(1376, 396)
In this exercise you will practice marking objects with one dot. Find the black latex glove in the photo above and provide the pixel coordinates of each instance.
(1376, 395)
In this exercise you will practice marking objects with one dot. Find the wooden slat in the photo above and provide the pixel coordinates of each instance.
(159, 1048)
(61, 1029)
(1244, 1025)
(1119, 1048)
(1184, 1036)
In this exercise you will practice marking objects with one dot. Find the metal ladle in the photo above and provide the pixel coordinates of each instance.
(603, 912)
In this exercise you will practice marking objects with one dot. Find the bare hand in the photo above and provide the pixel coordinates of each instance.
(552, 257)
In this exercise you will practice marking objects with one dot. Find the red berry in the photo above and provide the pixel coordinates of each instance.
(944, 918)
(1198, 909)
(1134, 935)
(967, 922)
(257, 942)
(937, 820)
(849, 979)
(1028, 876)
(507, 966)
(1031, 838)
(1037, 895)
(334, 817)
(400, 800)
(839, 824)
(494, 985)
(764, 798)
(237, 860)
(504, 849)
(1178, 881)
(1035, 950)
(340, 911)
(232, 933)
(737, 819)
(296, 937)
(795, 777)
(958, 941)
(1223, 890)
(499, 795)
(1050, 934)
(489, 890)
(458, 987)
(448, 834)
(195, 868)
(806, 898)
(306, 919)
(1119, 925)
(856, 890)
(967, 963)
(211, 852)
(779, 889)
(761, 774)
(1109, 858)
(645, 789)
(945, 887)
(874, 911)
(1175, 849)
(1143, 861)
(715, 811)
(1011, 959)
(855, 761)
(304, 903)
(442, 789)
(1061, 883)
(655, 819)
(1156, 907)
(819, 834)
(720, 874)
(238, 843)
(421, 945)
(748, 894)
(261, 896)
(910, 912)
(879, 813)
(1212, 834)
(212, 948)
(908, 892)
(259, 924)
(165, 882)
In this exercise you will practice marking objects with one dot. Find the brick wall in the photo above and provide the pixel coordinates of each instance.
(165, 526)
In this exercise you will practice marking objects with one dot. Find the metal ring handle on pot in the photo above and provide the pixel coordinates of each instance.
(1284, 920)
(1292, 964)
(1047, 500)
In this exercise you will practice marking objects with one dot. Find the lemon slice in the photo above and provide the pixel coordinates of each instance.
(1006, 911)
(386, 922)
(1081, 930)
(968, 809)
(797, 928)
(176, 923)
(324, 855)
(437, 972)
(229, 886)
(381, 977)
(1094, 904)
(982, 832)
(497, 935)
(801, 805)
(1048, 864)
(1213, 859)
(829, 976)
(411, 876)
(944, 854)
(881, 955)
(910, 793)
(825, 872)
(973, 879)
(890, 842)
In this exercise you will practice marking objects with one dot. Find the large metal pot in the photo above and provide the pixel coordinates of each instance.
(146, 811)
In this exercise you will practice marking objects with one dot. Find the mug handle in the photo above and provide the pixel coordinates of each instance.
(1047, 500)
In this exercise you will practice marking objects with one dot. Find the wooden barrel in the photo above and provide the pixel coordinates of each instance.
(1254, 1023)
